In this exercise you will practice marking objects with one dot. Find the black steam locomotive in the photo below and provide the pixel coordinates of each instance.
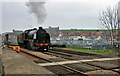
(34, 39)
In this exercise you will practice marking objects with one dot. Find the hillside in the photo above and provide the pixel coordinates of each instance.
(74, 30)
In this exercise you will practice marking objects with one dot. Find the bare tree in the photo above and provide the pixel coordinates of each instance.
(109, 20)
(119, 24)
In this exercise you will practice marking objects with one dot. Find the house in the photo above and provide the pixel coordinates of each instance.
(77, 38)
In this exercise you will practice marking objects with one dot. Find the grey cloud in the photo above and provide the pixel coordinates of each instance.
(72, 15)
(66, 15)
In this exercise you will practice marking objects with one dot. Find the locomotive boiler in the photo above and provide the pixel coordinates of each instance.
(34, 39)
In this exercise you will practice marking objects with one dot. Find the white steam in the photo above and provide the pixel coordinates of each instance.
(38, 9)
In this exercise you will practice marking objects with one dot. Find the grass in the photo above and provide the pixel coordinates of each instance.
(105, 51)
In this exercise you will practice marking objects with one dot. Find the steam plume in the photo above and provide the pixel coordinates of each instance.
(38, 9)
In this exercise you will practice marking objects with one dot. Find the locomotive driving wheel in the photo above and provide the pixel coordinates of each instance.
(33, 48)
(28, 46)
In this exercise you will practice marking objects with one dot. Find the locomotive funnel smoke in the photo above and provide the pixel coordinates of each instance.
(38, 9)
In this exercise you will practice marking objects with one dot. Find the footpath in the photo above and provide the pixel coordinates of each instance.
(15, 63)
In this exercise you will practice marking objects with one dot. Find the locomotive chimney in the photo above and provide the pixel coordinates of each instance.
(40, 27)
(13, 30)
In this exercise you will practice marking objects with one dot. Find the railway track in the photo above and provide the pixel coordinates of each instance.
(98, 55)
(80, 53)
(75, 72)
(52, 61)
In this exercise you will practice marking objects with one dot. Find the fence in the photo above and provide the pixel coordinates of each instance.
(92, 44)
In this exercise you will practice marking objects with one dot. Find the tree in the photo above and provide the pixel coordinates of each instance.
(119, 23)
(110, 20)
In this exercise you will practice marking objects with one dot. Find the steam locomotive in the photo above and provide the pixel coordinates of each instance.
(34, 39)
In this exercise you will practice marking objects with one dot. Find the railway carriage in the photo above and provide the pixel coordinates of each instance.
(10, 38)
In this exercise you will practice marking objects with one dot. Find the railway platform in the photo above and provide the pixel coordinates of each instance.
(15, 63)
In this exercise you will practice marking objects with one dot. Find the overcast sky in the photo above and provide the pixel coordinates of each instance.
(82, 14)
